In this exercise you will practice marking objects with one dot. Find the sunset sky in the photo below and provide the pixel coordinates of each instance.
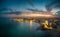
(23, 5)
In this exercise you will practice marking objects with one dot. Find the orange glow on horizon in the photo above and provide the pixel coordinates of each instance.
(36, 15)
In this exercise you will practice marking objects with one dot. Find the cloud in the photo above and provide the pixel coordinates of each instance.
(52, 5)
(9, 11)
(30, 2)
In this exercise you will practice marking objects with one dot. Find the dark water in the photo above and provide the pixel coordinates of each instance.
(11, 28)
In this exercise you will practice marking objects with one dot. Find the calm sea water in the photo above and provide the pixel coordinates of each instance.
(13, 28)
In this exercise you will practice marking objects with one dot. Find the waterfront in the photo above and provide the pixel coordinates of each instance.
(22, 29)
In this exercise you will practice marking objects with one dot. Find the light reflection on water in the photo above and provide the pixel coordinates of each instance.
(22, 29)
(30, 29)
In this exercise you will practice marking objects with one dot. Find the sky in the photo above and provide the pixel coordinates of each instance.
(23, 5)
